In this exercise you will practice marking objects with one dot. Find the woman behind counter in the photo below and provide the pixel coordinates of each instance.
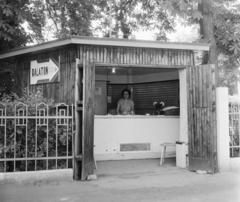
(125, 105)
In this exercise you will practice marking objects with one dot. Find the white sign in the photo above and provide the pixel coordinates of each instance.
(44, 72)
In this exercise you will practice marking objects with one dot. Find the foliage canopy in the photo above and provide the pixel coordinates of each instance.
(219, 22)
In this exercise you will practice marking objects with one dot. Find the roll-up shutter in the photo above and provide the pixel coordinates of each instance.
(145, 94)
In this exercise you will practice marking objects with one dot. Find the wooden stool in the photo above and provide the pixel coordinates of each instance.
(164, 146)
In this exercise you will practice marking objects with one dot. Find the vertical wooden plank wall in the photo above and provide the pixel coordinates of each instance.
(88, 117)
(202, 113)
(136, 56)
(64, 90)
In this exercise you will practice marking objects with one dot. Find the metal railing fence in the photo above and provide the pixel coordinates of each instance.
(234, 128)
(35, 137)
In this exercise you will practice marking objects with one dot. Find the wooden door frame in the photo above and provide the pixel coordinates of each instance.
(77, 143)
(83, 160)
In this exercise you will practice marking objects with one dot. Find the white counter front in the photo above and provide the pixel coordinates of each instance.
(119, 137)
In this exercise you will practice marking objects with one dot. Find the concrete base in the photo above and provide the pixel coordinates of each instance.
(235, 164)
(140, 167)
(222, 130)
(129, 156)
(36, 176)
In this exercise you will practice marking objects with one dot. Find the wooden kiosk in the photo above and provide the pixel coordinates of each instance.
(77, 58)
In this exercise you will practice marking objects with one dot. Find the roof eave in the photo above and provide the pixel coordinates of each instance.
(100, 41)
(144, 44)
(35, 48)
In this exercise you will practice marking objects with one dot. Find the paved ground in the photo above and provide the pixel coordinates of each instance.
(140, 180)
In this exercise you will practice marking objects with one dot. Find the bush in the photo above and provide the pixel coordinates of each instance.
(29, 131)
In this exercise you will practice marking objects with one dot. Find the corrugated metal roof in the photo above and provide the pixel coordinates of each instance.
(105, 42)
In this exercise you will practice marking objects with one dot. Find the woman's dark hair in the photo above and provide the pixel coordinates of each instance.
(126, 90)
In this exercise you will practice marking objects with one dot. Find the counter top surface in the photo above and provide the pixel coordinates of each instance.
(133, 116)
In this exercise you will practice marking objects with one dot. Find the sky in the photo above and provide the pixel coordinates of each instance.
(182, 34)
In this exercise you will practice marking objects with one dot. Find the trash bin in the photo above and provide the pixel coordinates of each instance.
(181, 154)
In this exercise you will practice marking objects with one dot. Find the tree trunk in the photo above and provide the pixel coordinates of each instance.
(207, 32)
(63, 19)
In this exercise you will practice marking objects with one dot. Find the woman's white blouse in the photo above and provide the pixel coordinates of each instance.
(125, 106)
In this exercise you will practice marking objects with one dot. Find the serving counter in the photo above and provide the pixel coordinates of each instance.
(119, 137)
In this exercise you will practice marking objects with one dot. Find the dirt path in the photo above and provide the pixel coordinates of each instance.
(171, 184)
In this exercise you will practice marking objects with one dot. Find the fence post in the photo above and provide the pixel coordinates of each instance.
(223, 129)
(183, 135)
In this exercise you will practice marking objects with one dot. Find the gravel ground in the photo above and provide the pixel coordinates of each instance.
(138, 180)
